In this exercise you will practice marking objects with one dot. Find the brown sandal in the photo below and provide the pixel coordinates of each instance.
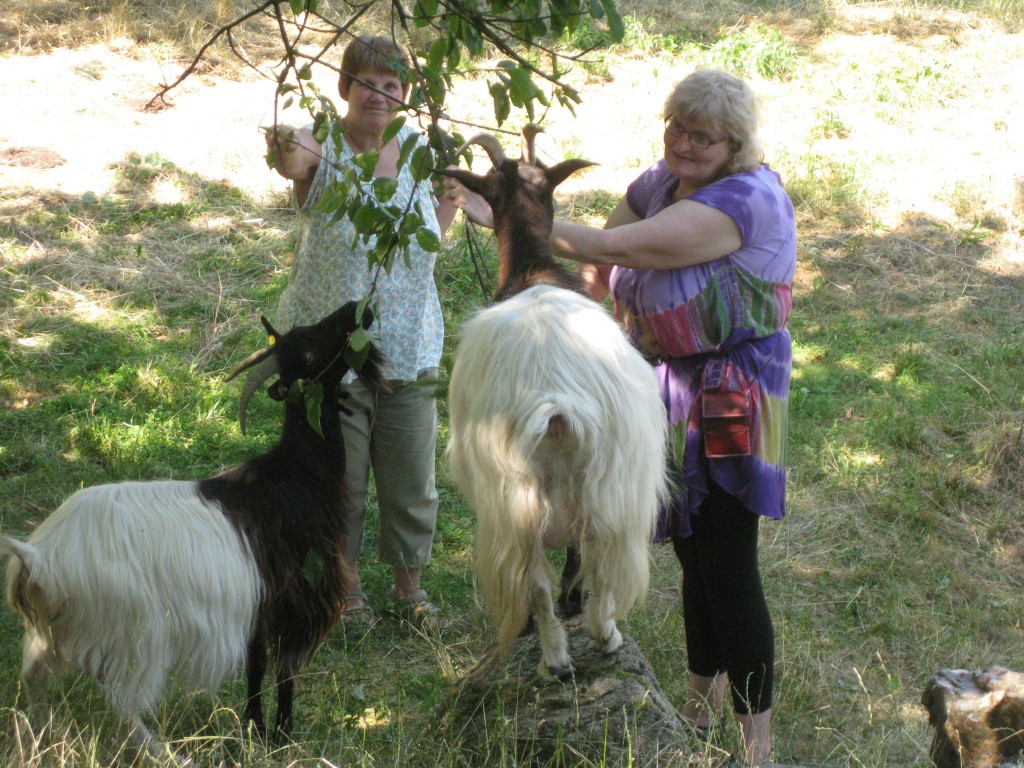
(358, 615)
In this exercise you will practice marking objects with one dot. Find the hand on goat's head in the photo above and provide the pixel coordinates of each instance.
(519, 186)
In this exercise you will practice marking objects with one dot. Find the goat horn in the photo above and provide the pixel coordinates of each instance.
(266, 365)
(490, 144)
(530, 131)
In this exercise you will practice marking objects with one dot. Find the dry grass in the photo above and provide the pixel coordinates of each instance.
(897, 135)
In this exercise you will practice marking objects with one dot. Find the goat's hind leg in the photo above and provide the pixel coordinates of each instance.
(145, 743)
(255, 671)
(554, 644)
(570, 595)
(600, 612)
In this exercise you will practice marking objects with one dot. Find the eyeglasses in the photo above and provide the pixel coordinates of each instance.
(697, 139)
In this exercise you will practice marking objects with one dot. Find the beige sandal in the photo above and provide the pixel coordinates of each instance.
(416, 609)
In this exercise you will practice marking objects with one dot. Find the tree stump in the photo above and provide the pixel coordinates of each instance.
(612, 709)
(978, 718)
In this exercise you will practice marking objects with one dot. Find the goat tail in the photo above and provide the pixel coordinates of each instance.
(506, 560)
(490, 464)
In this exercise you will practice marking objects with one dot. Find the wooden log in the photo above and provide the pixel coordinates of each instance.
(613, 712)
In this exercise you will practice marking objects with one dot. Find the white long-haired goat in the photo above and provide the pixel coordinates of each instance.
(558, 431)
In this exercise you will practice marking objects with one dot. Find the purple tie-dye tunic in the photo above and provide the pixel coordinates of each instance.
(724, 321)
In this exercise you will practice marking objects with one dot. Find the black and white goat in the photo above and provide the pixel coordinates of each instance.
(137, 582)
(558, 432)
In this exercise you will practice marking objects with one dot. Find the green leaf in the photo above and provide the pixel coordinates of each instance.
(523, 88)
(436, 90)
(435, 57)
(361, 309)
(616, 28)
(321, 127)
(298, 6)
(392, 130)
(359, 339)
(427, 240)
(384, 188)
(334, 198)
(366, 218)
(313, 567)
(367, 162)
(356, 357)
(314, 396)
(422, 162)
(423, 12)
(411, 222)
(407, 147)
(502, 105)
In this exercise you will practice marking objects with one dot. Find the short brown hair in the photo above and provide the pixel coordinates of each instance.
(721, 101)
(368, 53)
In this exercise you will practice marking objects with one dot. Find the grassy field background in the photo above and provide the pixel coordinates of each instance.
(137, 251)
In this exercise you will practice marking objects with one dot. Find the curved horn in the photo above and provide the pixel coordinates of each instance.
(250, 361)
(490, 144)
(530, 131)
(260, 374)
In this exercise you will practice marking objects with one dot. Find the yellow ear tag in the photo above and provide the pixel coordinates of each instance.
(271, 340)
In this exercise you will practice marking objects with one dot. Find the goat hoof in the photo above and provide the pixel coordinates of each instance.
(606, 645)
(561, 672)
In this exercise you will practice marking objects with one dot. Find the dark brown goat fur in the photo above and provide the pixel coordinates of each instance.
(521, 198)
(287, 503)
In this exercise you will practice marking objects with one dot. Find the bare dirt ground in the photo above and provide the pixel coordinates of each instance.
(929, 114)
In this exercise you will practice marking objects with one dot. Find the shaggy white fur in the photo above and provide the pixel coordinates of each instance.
(558, 435)
(133, 583)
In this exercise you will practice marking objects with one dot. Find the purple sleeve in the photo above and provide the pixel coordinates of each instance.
(645, 195)
(750, 199)
(732, 196)
(764, 215)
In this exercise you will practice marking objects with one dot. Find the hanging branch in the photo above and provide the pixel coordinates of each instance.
(191, 68)
(464, 32)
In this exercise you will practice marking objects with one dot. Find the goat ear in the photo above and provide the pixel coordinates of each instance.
(556, 174)
(271, 333)
(485, 186)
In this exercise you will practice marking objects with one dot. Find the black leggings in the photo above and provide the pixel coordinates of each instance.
(728, 627)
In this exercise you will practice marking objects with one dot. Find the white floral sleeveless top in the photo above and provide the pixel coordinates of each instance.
(328, 271)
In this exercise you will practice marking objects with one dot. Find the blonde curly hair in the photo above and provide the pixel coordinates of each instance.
(720, 101)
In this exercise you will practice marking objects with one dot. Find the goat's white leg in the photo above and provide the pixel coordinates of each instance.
(144, 742)
(600, 613)
(554, 644)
